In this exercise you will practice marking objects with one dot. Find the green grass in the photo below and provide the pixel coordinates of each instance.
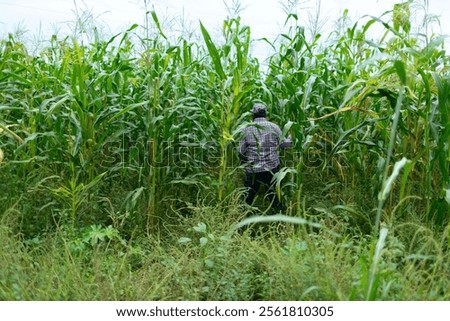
(196, 258)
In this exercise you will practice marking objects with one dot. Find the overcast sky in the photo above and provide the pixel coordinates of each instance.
(265, 17)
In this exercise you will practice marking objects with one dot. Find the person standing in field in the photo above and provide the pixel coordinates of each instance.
(258, 149)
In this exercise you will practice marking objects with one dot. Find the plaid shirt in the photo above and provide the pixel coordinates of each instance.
(259, 145)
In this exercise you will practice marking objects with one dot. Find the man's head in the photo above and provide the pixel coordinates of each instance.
(259, 110)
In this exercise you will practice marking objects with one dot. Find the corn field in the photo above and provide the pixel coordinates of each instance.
(130, 139)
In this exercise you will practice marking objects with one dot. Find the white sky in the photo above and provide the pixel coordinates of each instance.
(265, 17)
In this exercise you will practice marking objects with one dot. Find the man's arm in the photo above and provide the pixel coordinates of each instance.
(283, 142)
(286, 142)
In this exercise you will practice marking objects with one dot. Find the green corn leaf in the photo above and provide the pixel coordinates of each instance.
(401, 71)
(158, 25)
(287, 128)
(387, 185)
(10, 132)
(274, 218)
(278, 177)
(55, 107)
(443, 139)
(213, 52)
(373, 276)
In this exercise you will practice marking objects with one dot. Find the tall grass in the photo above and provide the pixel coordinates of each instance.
(199, 260)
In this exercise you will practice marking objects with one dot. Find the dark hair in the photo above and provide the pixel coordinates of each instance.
(261, 113)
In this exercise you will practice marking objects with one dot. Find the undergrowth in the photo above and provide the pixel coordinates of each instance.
(201, 257)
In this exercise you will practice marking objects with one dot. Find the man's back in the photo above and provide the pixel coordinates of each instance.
(259, 145)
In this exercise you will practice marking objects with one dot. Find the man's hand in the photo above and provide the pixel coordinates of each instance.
(286, 142)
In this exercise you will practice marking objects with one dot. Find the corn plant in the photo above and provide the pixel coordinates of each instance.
(236, 75)
(161, 115)
(342, 97)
